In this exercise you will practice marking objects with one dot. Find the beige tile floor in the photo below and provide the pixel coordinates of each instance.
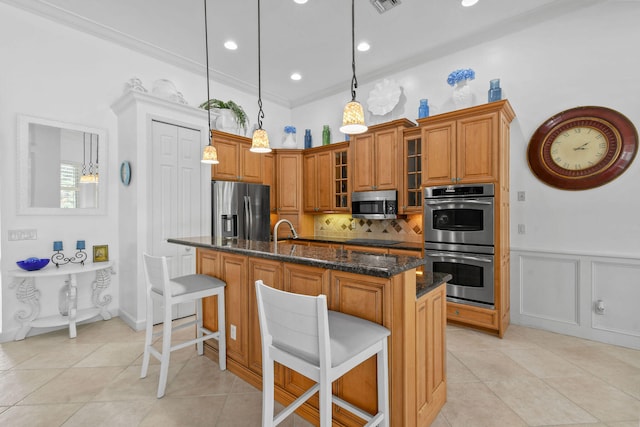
(529, 378)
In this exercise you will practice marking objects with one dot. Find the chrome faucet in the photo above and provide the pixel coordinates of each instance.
(275, 230)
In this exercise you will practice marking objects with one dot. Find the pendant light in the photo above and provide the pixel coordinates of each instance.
(209, 154)
(260, 140)
(91, 176)
(353, 115)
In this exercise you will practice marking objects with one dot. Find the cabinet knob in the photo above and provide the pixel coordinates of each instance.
(457, 313)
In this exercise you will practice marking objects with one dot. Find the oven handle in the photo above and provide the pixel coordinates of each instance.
(448, 255)
(449, 201)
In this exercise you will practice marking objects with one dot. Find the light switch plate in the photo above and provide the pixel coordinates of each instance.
(27, 234)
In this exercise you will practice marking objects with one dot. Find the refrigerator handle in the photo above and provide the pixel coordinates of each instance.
(247, 217)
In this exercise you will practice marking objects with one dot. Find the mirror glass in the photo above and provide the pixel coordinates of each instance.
(61, 168)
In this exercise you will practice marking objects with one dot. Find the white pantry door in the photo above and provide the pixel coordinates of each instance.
(176, 187)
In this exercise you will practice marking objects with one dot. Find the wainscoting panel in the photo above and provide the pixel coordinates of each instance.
(549, 288)
(617, 286)
(560, 292)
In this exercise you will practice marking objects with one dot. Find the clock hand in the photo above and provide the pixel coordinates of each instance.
(582, 147)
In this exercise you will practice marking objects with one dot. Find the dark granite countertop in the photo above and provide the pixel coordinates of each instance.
(378, 265)
(386, 243)
(428, 281)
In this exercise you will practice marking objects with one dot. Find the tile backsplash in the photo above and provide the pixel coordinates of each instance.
(406, 229)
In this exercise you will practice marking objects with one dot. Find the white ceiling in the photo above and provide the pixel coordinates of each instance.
(313, 39)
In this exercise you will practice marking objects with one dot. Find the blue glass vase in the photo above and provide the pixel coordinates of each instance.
(423, 109)
(495, 92)
(307, 138)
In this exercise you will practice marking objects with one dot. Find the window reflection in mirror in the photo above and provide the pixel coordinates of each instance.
(60, 168)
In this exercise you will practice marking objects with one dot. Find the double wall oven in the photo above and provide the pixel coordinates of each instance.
(459, 240)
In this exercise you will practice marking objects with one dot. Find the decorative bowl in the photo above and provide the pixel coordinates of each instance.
(32, 264)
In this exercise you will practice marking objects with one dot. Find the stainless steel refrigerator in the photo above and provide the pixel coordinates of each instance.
(240, 210)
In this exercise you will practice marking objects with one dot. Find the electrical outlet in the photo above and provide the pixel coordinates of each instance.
(233, 332)
(29, 234)
(521, 196)
(521, 229)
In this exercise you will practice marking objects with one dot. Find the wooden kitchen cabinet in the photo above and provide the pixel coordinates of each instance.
(318, 169)
(472, 146)
(410, 192)
(235, 273)
(431, 387)
(416, 344)
(289, 173)
(237, 163)
(376, 158)
(270, 272)
(269, 178)
(464, 146)
(303, 280)
(368, 299)
(325, 180)
(370, 249)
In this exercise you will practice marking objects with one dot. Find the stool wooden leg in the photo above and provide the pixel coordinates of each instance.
(222, 333)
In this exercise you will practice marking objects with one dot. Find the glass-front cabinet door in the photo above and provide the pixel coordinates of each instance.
(341, 196)
(412, 192)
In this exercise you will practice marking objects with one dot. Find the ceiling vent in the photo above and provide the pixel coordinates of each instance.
(383, 5)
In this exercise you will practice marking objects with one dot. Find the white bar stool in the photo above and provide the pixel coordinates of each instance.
(168, 292)
(299, 332)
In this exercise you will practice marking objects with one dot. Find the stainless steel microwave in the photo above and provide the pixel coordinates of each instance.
(374, 204)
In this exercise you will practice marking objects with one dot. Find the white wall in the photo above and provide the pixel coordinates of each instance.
(58, 73)
(582, 58)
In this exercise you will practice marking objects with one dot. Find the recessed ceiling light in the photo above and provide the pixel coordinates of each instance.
(467, 3)
(363, 46)
(300, 1)
(231, 45)
(296, 76)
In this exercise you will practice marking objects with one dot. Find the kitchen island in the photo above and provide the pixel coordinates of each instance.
(378, 287)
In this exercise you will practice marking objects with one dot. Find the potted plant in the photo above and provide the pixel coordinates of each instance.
(239, 115)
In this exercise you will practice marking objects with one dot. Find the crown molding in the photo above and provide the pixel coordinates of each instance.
(69, 19)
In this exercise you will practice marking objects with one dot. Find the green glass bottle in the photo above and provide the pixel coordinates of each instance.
(326, 135)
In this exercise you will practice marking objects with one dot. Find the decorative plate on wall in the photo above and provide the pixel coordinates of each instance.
(384, 97)
(582, 148)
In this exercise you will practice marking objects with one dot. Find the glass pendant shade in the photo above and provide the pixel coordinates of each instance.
(89, 179)
(210, 155)
(353, 119)
(260, 142)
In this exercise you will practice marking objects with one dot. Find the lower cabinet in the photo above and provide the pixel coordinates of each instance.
(416, 344)
(431, 386)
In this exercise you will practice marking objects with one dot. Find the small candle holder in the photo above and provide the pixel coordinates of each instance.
(59, 259)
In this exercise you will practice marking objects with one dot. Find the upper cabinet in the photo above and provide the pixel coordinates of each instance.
(269, 178)
(410, 198)
(326, 179)
(375, 156)
(237, 163)
(464, 146)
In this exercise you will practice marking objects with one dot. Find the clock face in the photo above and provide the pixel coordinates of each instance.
(579, 148)
(582, 148)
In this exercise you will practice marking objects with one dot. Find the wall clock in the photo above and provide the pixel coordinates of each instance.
(582, 148)
(125, 172)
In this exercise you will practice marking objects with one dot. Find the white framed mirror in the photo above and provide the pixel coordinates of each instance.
(61, 168)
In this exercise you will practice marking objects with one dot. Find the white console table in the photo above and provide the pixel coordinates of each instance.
(27, 293)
